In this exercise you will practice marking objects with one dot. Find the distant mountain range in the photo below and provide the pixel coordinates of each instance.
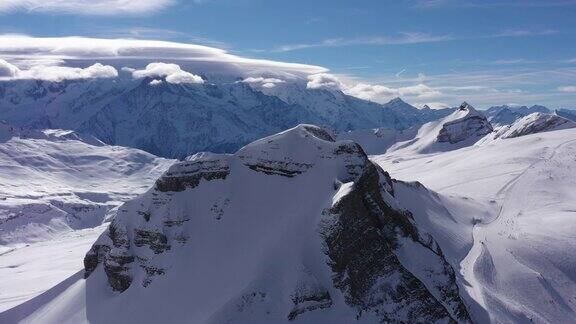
(175, 120)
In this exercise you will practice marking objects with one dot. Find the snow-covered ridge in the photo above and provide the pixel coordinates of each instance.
(296, 226)
(462, 128)
(504, 115)
(531, 124)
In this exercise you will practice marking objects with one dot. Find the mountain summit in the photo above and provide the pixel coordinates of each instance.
(464, 127)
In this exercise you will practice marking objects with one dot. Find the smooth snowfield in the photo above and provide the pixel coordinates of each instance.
(28, 271)
(521, 266)
(56, 188)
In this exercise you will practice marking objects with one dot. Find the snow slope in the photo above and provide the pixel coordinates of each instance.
(52, 184)
(520, 266)
(293, 227)
(462, 128)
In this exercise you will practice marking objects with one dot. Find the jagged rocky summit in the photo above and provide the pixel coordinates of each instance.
(464, 124)
(292, 227)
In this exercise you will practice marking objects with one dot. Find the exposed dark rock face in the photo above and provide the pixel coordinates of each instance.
(188, 175)
(362, 233)
(308, 302)
(472, 124)
(115, 256)
(320, 133)
(95, 256)
(157, 242)
(285, 169)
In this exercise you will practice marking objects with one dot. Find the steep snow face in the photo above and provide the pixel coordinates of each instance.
(176, 120)
(515, 245)
(504, 115)
(531, 124)
(462, 128)
(295, 226)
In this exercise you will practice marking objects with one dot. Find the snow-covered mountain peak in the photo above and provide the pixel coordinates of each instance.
(464, 127)
(468, 109)
(301, 148)
(302, 143)
(309, 225)
(397, 100)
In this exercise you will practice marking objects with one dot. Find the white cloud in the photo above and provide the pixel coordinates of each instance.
(372, 92)
(122, 52)
(56, 73)
(155, 82)
(172, 72)
(525, 32)
(7, 69)
(569, 89)
(157, 69)
(432, 105)
(402, 38)
(419, 90)
(86, 7)
(380, 93)
(263, 82)
(324, 81)
(184, 77)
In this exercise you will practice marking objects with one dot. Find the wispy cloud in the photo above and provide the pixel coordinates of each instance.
(525, 32)
(92, 7)
(403, 38)
(569, 89)
(148, 33)
(408, 38)
(493, 3)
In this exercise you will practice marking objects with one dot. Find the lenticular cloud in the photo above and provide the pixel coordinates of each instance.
(69, 51)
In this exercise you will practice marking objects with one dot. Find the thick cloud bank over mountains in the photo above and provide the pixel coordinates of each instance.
(25, 51)
(72, 58)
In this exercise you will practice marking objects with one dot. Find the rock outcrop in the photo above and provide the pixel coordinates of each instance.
(466, 123)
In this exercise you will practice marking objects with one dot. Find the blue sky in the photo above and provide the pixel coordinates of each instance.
(487, 52)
